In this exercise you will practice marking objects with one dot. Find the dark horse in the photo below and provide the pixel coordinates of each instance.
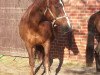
(93, 30)
(36, 27)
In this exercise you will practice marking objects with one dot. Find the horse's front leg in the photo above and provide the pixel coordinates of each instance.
(46, 57)
(31, 52)
(97, 57)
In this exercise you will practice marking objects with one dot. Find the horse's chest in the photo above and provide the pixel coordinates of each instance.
(36, 39)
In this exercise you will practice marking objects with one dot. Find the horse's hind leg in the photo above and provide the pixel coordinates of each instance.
(31, 57)
(46, 57)
(97, 57)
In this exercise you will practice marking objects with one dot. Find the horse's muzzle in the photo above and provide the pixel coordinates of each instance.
(66, 29)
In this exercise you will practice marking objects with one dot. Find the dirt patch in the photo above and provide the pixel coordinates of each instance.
(20, 66)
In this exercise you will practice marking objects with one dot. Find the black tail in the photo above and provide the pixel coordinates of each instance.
(90, 42)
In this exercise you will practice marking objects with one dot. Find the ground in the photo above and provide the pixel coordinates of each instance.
(19, 66)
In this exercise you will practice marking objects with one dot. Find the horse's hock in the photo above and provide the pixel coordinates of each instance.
(78, 12)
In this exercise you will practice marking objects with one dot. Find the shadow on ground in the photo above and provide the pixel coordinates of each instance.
(19, 66)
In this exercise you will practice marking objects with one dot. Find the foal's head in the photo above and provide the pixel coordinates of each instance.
(55, 12)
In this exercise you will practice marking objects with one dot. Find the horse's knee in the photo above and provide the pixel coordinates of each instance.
(31, 63)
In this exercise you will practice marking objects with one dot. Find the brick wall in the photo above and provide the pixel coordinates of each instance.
(79, 11)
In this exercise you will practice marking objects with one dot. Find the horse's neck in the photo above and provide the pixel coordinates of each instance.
(33, 14)
(37, 4)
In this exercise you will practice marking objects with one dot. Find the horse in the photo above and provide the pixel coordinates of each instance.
(93, 31)
(36, 28)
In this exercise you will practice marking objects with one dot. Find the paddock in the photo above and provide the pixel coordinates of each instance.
(20, 66)
(12, 47)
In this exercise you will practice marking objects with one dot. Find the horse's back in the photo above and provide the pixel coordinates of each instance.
(94, 22)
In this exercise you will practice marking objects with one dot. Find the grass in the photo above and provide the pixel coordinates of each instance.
(74, 64)
(1, 56)
(20, 66)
